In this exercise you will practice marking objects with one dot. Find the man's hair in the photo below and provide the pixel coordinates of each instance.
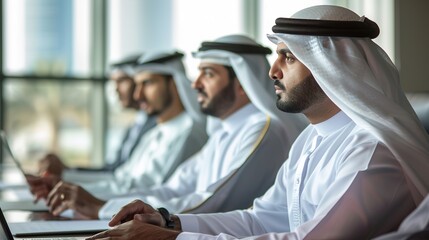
(231, 72)
(167, 77)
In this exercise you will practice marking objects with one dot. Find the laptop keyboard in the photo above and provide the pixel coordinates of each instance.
(55, 238)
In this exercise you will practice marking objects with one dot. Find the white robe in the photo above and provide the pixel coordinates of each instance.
(199, 177)
(130, 138)
(351, 188)
(158, 154)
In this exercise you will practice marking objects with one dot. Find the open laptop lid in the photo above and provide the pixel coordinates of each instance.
(5, 232)
(65, 234)
(9, 150)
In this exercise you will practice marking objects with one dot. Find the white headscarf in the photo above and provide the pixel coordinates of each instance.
(170, 63)
(358, 76)
(252, 72)
(125, 65)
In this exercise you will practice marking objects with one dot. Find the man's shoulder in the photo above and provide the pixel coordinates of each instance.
(255, 122)
(197, 132)
(357, 139)
(256, 117)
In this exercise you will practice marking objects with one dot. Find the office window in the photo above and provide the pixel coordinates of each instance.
(195, 21)
(51, 95)
(52, 115)
(46, 37)
(137, 26)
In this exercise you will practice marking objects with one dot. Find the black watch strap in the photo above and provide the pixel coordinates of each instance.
(166, 215)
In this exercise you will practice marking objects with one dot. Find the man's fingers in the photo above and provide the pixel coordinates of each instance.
(128, 211)
(54, 203)
(153, 218)
(125, 214)
(41, 194)
(38, 189)
(121, 217)
(61, 208)
(58, 189)
(108, 234)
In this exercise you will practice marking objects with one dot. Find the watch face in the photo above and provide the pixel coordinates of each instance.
(166, 215)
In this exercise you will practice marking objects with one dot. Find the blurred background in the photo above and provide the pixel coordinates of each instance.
(54, 91)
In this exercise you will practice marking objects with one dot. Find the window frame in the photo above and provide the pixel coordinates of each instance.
(97, 76)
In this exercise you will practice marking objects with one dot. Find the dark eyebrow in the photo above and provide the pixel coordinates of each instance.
(206, 68)
(284, 51)
(147, 80)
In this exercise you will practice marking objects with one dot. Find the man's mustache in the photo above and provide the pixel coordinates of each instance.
(279, 84)
(201, 91)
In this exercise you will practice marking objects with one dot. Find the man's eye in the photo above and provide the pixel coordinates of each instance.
(289, 59)
(208, 74)
(147, 82)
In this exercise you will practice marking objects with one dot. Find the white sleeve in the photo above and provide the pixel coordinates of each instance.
(80, 177)
(104, 189)
(170, 189)
(376, 201)
(222, 236)
(240, 225)
(182, 181)
(270, 209)
(191, 196)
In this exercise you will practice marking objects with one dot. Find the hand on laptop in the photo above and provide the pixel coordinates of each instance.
(41, 186)
(69, 196)
(128, 211)
(138, 220)
(51, 164)
(136, 230)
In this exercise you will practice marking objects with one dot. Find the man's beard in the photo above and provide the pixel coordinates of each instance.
(166, 102)
(221, 101)
(301, 97)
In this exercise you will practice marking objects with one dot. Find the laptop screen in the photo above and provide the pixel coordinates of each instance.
(7, 147)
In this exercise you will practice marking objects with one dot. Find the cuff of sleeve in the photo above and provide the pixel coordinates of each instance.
(199, 236)
(112, 206)
(189, 222)
(188, 236)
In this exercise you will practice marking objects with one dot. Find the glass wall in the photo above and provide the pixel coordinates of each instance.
(50, 95)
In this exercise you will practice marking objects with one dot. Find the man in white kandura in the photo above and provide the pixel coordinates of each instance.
(355, 172)
(121, 75)
(248, 134)
(162, 90)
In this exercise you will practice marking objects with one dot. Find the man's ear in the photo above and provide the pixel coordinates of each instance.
(238, 87)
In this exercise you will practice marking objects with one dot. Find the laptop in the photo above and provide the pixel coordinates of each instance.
(6, 234)
(25, 199)
(8, 149)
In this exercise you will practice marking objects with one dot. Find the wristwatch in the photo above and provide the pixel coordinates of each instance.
(166, 215)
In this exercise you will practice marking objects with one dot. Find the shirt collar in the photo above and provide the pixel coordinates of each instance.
(236, 119)
(141, 117)
(332, 124)
(174, 123)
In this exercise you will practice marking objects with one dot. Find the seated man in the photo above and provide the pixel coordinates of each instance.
(162, 90)
(121, 75)
(251, 133)
(355, 172)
